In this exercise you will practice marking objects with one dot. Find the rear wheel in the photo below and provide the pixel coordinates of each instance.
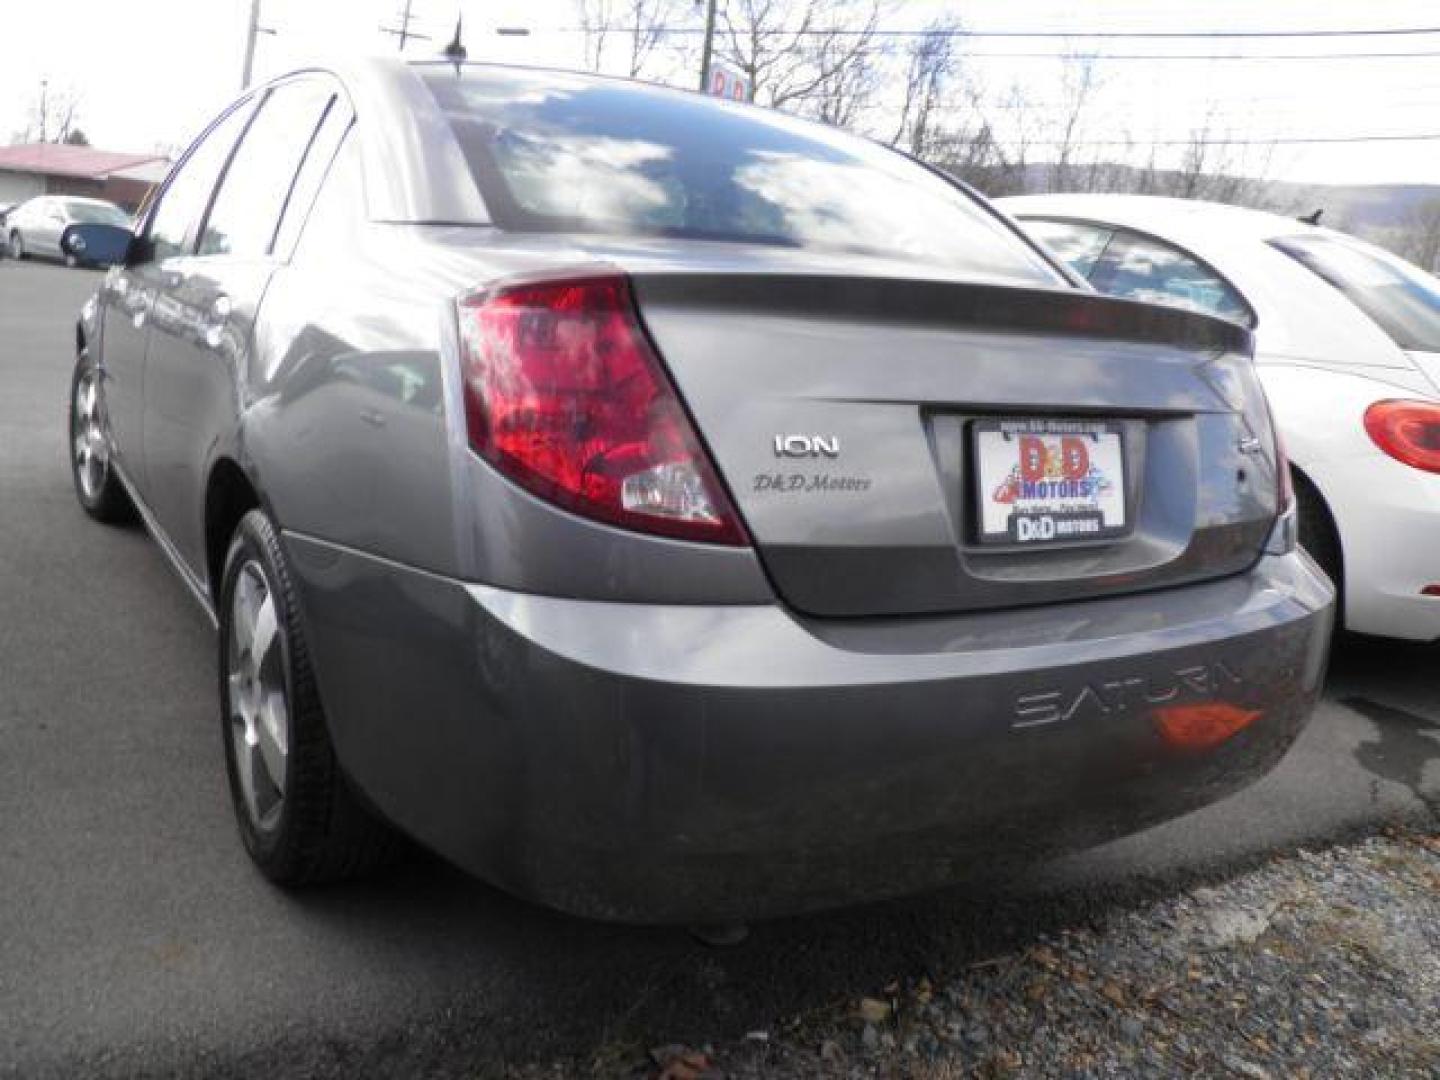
(298, 817)
(97, 487)
(17, 245)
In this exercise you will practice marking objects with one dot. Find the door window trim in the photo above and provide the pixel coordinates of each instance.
(192, 235)
(343, 112)
(346, 136)
(321, 79)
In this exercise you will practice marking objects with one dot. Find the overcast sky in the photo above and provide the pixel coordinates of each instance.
(148, 73)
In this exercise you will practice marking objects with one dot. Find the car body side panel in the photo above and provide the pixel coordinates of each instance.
(346, 423)
(42, 234)
(357, 431)
(1428, 363)
(1384, 510)
(684, 762)
(126, 296)
(200, 336)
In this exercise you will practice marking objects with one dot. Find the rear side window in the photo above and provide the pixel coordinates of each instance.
(1143, 268)
(339, 208)
(312, 173)
(252, 195)
(1078, 245)
(558, 153)
(181, 205)
(1400, 297)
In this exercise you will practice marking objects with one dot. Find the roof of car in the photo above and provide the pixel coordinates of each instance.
(1158, 213)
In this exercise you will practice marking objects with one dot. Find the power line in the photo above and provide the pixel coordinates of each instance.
(1210, 140)
(960, 32)
(1218, 110)
(1152, 57)
(1202, 56)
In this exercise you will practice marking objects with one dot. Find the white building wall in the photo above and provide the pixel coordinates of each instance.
(18, 186)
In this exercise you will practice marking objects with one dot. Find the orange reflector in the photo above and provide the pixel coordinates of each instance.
(1200, 727)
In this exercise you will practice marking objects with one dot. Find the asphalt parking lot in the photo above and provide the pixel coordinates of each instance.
(134, 936)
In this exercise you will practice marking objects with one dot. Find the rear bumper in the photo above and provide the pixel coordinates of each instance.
(671, 763)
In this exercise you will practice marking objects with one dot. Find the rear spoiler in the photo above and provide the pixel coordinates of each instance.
(947, 304)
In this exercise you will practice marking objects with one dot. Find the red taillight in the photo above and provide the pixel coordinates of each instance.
(564, 395)
(1409, 431)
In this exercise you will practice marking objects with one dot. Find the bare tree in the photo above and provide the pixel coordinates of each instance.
(51, 115)
(930, 65)
(1420, 241)
(1012, 144)
(646, 21)
(596, 22)
(1079, 83)
(1219, 168)
(975, 146)
(842, 99)
(801, 55)
(635, 27)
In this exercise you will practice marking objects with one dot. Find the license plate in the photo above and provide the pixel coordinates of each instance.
(1049, 481)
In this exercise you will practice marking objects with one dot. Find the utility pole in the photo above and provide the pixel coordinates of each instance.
(709, 47)
(44, 107)
(254, 31)
(403, 32)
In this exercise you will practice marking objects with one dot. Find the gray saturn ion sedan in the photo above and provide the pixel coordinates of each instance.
(675, 511)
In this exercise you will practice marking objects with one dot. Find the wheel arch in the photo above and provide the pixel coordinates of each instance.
(230, 494)
(1305, 486)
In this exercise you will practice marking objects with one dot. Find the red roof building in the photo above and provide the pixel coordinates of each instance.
(60, 169)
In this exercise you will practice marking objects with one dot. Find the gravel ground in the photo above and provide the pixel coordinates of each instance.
(1316, 964)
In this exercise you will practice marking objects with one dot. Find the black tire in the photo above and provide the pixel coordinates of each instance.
(105, 499)
(17, 246)
(1318, 534)
(320, 831)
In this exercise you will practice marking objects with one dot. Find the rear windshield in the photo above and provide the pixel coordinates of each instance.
(562, 153)
(95, 213)
(1402, 299)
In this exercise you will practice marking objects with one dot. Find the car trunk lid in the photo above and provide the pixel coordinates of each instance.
(847, 412)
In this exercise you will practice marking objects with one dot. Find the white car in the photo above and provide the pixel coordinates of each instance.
(36, 225)
(1347, 340)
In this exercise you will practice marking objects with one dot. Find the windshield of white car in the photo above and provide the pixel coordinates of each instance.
(1402, 299)
(95, 213)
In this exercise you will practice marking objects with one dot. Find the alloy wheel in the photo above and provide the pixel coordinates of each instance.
(259, 709)
(87, 432)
